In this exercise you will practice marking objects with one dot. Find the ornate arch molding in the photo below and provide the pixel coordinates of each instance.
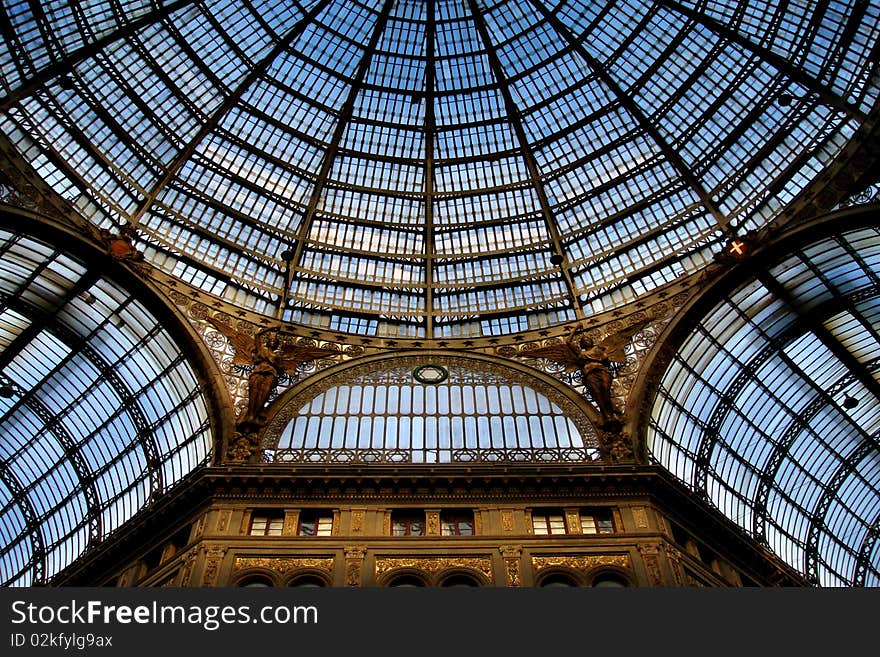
(573, 406)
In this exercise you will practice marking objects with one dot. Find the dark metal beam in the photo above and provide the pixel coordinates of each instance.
(848, 467)
(813, 323)
(797, 74)
(65, 65)
(430, 137)
(628, 103)
(866, 551)
(37, 560)
(515, 117)
(342, 121)
(230, 101)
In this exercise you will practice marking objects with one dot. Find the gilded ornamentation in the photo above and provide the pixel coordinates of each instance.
(432, 521)
(573, 522)
(640, 516)
(507, 520)
(284, 565)
(651, 559)
(223, 520)
(357, 521)
(291, 520)
(213, 558)
(386, 524)
(511, 555)
(434, 564)
(581, 562)
(354, 561)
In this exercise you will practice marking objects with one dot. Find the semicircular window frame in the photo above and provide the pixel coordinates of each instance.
(106, 410)
(512, 416)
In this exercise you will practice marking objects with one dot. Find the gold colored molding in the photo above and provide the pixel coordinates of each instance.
(354, 561)
(640, 516)
(507, 520)
(511, 555)
(283, 565)
(434, 564)
(581, 562)
(357, 521)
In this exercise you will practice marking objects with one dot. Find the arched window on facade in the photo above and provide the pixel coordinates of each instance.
(425, 409)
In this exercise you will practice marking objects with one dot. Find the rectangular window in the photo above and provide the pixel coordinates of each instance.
(547, 523)
(315, 523)
(265, 523)
(457, 524)
(596, 521)
(408, 524)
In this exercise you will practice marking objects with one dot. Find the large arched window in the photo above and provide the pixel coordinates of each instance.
(100, 410)
(770, 409)
(421, 409)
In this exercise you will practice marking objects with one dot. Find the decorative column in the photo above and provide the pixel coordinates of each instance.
(354, 561)
(651, 559)
(511, 555)
(213, 558)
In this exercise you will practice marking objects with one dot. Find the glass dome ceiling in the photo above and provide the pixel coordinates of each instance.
(770, 410)
(433, 168)
(100, 412)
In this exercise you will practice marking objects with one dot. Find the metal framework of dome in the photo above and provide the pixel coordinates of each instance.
(433, 169)
(438, 172)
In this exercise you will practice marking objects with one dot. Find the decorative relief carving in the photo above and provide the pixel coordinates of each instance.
(199, 529)
(386, 524)
(573, 522)
(357, 521)
(432, 519)
(223, 520)
(434, 564)
(675, 559)
(283, 565)
(651, 559)
(640, 516)
(189, 563)
(291, 520)
(213, 559)
(582, 562)
(354, 561)
(511, 555)
(507, 520)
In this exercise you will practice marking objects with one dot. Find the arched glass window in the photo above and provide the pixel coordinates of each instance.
(443, 410)
(771, 409)
(100, 410)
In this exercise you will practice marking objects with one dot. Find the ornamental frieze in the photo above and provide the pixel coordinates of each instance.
(434, 564)
(284, 565)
